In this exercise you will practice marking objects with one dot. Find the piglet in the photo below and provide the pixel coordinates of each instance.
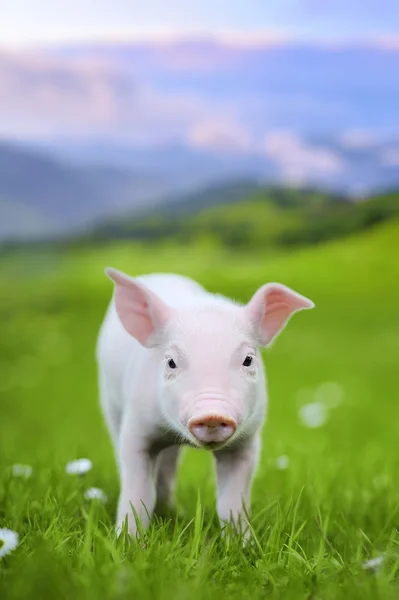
(181, 366)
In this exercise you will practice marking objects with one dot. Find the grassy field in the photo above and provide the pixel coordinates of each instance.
(315, 522)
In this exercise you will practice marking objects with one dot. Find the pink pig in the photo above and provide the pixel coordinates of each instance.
(179, 365)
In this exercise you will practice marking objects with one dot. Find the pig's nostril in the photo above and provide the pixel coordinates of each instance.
(212, 429)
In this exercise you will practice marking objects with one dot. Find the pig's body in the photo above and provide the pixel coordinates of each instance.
(186, 381)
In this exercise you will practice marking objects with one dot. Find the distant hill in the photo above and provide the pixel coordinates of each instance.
(323, 162)
(248, 215)
(44, 194)
(40, 195)
(48, 192)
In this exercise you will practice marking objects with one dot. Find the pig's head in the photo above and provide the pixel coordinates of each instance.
(211, 381)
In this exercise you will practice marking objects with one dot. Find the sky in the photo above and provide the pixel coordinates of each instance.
(36, 22)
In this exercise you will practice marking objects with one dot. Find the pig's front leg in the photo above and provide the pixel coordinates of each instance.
(235, 469)
(137, 484)
(166, 472)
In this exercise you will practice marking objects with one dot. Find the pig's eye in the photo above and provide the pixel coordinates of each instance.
(248, 361)
(172, 364)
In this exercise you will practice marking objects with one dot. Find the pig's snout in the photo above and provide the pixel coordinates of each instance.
(212, 429)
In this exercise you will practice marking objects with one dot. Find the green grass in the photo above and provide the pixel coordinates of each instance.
(314, 523)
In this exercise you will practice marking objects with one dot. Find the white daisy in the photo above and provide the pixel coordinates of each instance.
(282, 462)
(8, 541)
(94, 493)
(79, 467)
(373, 564)
(313, 415)
(22, 471)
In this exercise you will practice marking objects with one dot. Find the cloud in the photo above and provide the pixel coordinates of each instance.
(358, 139)
(203, 91)
(390, 157)
(389, 43)
(300, 162)
(220, 135)
(40, 97)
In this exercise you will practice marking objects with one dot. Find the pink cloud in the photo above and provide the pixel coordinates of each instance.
(390, 157)
(40, 96)
(299, 161)
(358, 139)
(221, 135)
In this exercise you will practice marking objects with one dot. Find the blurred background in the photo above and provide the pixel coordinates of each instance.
(236, 143)
(110, 112)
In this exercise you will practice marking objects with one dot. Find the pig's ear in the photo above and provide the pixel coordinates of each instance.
(271, 307)
(141, 312)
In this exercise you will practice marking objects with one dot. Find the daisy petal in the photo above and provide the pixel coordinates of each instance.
(8, 541)
(22, 471)
(373, 564)
(79, 467)
(94, 493)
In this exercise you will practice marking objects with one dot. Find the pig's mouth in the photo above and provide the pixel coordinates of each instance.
(215, 445)
(211, 446)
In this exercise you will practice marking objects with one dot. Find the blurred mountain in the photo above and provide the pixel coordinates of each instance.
(41, 195)
(18, 220)
(354, 167)
(61, 190)
(251, 216)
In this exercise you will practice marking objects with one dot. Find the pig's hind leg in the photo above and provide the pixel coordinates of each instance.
(111, 412)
